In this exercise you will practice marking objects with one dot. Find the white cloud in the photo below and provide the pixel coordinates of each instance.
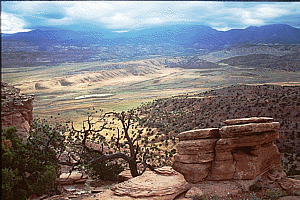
(11, 24)
(267, 11)
(121, 31)
(132, 14)
(120, 18)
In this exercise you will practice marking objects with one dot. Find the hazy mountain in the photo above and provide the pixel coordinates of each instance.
(277, 33)
(192, 36)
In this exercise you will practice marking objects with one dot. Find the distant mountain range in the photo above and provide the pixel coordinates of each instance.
(191, 36)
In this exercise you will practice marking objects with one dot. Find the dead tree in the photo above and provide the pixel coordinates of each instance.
(121, 145)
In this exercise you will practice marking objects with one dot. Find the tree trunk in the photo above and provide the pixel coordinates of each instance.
(133, 168)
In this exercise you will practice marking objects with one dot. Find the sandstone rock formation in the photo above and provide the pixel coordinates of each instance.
(16, 110)
(241, 150)
(229, 160)
(162, 184)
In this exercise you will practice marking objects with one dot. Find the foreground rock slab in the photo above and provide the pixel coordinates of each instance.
(162, 184)
(74, 177)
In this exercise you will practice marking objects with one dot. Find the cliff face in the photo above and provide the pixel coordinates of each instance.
(16, 110)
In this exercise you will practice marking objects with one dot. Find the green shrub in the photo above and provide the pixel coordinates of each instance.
(105, 170)
(255, 187)
(31, 168)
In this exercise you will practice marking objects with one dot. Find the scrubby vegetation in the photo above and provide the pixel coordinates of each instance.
(171, 116)
(31, 168)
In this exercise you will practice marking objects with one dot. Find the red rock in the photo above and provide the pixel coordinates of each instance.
(16, 110)
(228, 144)
(222, 170)
(193, 191)
(193, 173)
(247, 129)
(199, 134)
(198, 158)
(223, 156)
(243, 152)
(248, 166)
(220, 188)
(248, 120)
(193, 147)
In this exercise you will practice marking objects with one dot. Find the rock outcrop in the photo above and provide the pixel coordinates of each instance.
(241, 150)
(16, 110)
(227, 161)
(162, 184)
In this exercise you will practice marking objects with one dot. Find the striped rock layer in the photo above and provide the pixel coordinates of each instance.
(241, 150)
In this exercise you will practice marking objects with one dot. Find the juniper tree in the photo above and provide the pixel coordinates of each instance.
(93, 144)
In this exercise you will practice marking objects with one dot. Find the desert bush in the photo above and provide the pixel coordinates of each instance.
(106, 170)
(31, 168)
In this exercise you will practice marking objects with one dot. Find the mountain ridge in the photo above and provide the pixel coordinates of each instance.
(191, 36)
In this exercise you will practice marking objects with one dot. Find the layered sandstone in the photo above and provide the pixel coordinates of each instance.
(162, 184)
(16, 110)
(241, 150)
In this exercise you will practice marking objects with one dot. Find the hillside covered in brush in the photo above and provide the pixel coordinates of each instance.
(210, 109)
(171, 116)
(290, 62)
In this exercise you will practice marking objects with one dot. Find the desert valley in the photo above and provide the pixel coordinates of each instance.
(196, 82)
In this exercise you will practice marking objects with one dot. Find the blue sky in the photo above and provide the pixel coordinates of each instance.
(22, 16)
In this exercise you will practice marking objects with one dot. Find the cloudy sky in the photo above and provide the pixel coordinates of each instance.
(22, 16)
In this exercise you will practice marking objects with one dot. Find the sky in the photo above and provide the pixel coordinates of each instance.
(123, 16)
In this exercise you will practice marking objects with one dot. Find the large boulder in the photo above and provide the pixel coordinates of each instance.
(162, 184)
(71, 178)
(241, 150)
